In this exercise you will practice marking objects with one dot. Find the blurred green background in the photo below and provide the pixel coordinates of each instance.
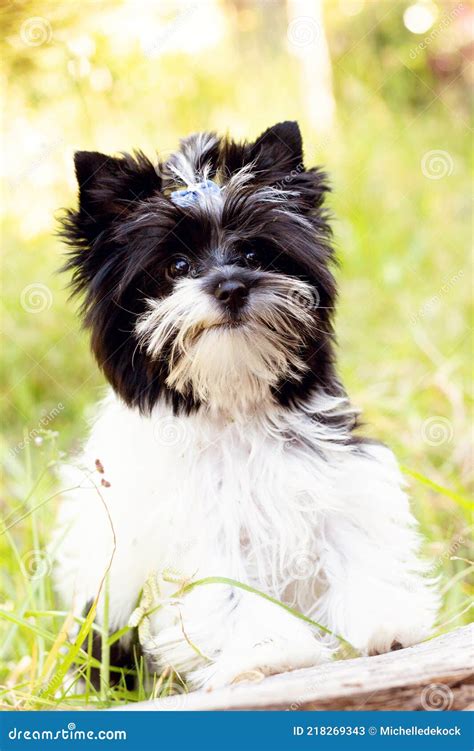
(382, 94)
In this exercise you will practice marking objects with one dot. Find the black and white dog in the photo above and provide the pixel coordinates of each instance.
(226, 447)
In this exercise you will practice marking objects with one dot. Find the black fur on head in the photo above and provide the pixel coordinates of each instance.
(131, 243)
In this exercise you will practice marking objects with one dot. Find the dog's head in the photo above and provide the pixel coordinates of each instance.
(207, 278)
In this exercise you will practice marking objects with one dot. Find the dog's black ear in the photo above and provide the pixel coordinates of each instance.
(111, 186)
(276, 152)
(278, 158)
(279, 148)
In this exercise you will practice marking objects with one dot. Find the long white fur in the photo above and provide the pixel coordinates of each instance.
(189, 164)
(269, 497)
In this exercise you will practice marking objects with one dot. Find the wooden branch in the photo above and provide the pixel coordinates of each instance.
(437, 674)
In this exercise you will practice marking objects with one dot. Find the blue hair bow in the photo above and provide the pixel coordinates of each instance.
(191, 196)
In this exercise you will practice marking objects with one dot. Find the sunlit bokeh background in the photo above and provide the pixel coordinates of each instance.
(382, 92)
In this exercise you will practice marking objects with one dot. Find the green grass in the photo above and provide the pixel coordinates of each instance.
(404, 320)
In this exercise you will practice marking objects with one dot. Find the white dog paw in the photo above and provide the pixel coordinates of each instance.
(267, 657)
(388, 638)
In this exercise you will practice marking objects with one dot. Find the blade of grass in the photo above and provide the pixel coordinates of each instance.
(89, 667)
(87, 625)
(35, 508)
(118, 634)
(63, 614)
(247, 588)
(39, 632)
(456, 497)
(54, 651)
(456, 578)
(105, 649)
(72, 654)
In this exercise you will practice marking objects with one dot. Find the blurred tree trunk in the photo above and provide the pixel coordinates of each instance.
(307, 41)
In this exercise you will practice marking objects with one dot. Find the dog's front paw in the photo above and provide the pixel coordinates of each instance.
(390, 619)
(388, 638)
(252, 663)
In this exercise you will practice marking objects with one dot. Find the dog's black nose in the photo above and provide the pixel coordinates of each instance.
(232, 292)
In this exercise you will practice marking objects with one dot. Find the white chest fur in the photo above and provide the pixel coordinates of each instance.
(278, 500)
(201, 495)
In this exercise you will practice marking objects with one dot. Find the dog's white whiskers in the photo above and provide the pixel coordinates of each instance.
(242, 363)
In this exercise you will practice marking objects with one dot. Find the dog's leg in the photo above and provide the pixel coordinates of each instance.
(379, 595)
(226, 635)
(123, 657)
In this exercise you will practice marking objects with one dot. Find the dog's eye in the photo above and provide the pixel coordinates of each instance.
(252, 259)
(178, 267)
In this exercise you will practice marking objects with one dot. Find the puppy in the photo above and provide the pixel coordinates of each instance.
(227, 446)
